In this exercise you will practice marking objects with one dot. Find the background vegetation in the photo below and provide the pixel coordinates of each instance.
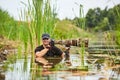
(40, 18)
(97, 19)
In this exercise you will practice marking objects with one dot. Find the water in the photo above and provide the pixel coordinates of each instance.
(22, 70)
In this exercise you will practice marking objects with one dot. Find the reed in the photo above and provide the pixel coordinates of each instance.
(114, 37)
(117, 32)
(82, 25)
(81, 17)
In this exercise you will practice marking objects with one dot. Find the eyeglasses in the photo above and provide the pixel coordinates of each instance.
(45, 38)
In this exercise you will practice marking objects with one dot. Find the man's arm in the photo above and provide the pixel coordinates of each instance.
(41, 53)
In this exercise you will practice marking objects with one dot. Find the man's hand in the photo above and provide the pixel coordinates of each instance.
(48, 46)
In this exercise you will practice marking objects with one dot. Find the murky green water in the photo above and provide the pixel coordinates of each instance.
(22, 70)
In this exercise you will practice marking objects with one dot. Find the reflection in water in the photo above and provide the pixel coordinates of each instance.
(47, 62)
(20, 71)
(24, 69)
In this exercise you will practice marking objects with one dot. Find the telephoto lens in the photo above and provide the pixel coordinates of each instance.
(74, 42)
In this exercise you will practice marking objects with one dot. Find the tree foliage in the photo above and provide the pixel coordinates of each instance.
(103, 19)
(97, 19)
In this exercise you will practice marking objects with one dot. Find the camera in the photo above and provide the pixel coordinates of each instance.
(52, 42)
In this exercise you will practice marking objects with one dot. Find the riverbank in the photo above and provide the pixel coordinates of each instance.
(6, 47)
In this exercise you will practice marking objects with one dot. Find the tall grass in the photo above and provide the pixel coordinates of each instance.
(114, 37)
(81, 17)
(118, 25)
(82, 25)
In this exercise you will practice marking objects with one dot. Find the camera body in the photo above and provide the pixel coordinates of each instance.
(52, 43)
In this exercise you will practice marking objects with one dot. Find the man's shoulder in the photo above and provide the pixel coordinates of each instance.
(40, 46)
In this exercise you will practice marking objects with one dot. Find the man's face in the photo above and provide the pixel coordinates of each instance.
(46, 41)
